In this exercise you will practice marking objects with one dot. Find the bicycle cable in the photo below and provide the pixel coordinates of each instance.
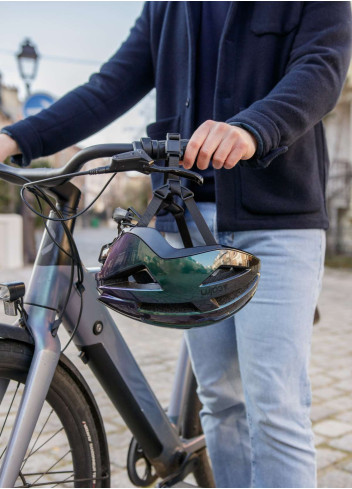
(73, 250)
(34, 185)
(74, 256)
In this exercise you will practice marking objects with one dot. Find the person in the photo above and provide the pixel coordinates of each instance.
(248, 83)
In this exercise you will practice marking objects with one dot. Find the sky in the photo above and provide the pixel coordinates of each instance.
(88, 32)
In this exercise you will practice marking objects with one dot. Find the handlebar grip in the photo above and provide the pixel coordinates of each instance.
(157, 149)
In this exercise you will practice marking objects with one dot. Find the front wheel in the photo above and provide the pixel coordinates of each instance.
(66, 449)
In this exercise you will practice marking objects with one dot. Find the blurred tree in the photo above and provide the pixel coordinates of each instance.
(132, 191)
(10, 202)
(30, 220)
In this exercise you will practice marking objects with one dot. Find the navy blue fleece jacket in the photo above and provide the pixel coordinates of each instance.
(281, 68)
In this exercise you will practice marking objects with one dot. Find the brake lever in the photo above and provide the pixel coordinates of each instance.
(180, 172)
(138, 160)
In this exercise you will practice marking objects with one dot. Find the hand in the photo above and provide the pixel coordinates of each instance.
(8, 147)
(226, 145)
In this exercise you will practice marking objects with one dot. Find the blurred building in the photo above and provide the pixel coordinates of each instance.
(10, 106)
(11, 224)
(338, 125)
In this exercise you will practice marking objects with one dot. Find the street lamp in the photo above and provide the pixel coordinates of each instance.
(28, 63)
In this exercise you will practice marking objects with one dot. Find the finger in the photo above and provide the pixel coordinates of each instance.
(194, 144)
(215, 137)
(223, 151)
(235, 156)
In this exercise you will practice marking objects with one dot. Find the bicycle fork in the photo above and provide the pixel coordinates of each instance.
(43, 299)
(41, 372)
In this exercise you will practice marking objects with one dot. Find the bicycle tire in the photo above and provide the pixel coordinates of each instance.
(69, 455)
(191, 426)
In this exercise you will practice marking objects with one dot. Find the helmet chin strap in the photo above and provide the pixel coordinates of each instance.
(164, 199)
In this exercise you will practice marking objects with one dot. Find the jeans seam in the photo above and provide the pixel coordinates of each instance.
(308, 398)
(250, 424)
(321, 268)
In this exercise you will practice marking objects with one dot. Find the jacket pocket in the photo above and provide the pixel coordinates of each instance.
(278, 18)
(289, 185)
(159, 129)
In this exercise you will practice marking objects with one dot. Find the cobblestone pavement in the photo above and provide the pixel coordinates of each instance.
(156, 350)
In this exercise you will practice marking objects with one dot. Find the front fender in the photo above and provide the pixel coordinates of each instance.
(15, 332)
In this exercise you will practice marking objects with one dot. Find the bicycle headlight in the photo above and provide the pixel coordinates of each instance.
(12, 291)
(4, 293)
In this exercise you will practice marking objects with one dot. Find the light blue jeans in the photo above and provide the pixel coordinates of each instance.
(258, 429)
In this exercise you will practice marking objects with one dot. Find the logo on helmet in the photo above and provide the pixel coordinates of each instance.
(215, 290)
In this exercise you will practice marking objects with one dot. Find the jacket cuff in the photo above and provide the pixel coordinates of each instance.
(262, 157)
(26, 137)
(255, 133)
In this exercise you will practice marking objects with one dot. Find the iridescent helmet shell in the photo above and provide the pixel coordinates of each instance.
(145, 278)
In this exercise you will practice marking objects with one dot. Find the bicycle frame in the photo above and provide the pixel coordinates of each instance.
(102, 348)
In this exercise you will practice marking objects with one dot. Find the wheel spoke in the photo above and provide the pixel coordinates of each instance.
(41, 484)
(35, 442)
(48, 471)
(33, 474)
(3, 388)
(47, 441)
(64, 481)
(8, 411)
(4, 450)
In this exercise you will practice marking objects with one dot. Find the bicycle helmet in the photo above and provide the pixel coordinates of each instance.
(145, 278)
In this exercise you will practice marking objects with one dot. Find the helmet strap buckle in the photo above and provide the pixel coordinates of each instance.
(173, 150)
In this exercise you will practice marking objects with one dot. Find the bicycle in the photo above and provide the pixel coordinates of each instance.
(45, 385)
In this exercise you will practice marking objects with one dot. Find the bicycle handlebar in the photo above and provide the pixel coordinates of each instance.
(19, 176)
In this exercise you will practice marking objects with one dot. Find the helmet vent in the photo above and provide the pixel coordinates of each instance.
(168, 308)
(141, 276)
(138, 275)
(224, 273)
(224, 299)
